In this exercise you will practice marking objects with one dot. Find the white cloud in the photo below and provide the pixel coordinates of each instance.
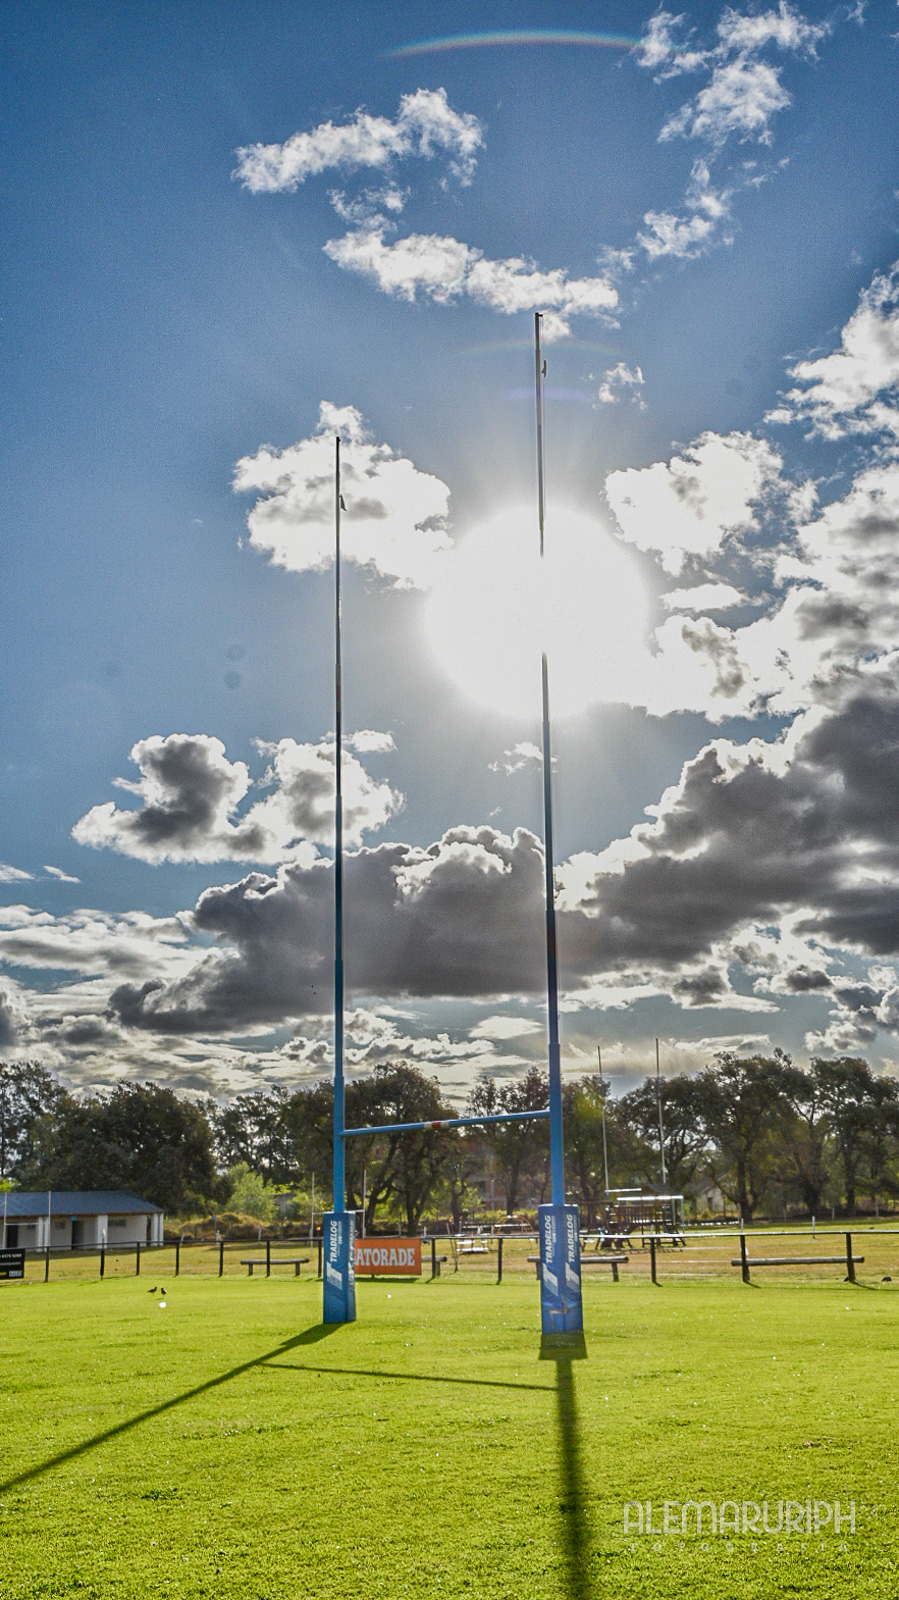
(704, 597)
(13, 874)
(395, 516)
(684, 237)
(506, 1027)
(425, 125)
(785, 27)
(620, 381)
(688, 506)
(368, 741)
(443, 268)
(743, 93)
(661, 52)
(62, 877)
(837, 393)
(190, 793)
(518, 757)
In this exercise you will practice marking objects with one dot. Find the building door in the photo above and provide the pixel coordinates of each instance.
(12, 1236)
(77, 1233)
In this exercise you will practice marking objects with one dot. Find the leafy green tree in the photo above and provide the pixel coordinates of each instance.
(253, 1128)
(28, 1094)
(250, 1195)
(860, 1111)
(740, 1102)
(520, 1149)
(138, 1137)
(682, 1121)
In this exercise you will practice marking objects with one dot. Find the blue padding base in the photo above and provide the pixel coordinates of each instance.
(339, 1266)
(561, 1310)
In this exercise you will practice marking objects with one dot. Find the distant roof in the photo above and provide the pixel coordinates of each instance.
(72, 1202)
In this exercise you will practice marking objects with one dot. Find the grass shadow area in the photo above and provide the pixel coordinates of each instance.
(309, 1336)
(564, 1349)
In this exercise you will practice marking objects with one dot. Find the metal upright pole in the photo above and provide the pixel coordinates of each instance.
(605, 1148)
(338, 1227)
(661, 1127)
(339, 1198)
(560, 1252)
(556, 1145)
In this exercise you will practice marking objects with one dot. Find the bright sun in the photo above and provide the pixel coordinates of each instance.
(497, 606)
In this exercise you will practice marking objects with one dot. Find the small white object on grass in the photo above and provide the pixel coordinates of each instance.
(162, 1305)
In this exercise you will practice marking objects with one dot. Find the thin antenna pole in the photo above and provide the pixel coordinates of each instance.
(556, 1145)
(339, 1198)
(605, 1148)
(540, 366)
(661, 1128)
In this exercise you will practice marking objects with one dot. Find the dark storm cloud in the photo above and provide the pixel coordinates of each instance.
(9, 1021)
(802, 829)
(753, 833)
(461, 918)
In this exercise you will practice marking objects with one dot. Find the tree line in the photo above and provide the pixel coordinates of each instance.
(757, 1134)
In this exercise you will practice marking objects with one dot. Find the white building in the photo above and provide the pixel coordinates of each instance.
(77, 1219)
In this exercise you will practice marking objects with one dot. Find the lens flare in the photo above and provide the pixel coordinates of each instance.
(497, 606)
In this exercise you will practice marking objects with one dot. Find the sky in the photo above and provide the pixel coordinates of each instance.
(234, 234)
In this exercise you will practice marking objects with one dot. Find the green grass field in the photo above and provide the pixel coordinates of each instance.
(229, 1445)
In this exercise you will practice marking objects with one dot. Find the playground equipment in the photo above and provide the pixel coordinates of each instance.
(560, 1254)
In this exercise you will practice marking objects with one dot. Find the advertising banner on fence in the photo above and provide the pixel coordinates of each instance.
(388, 1258)
(12, 1263)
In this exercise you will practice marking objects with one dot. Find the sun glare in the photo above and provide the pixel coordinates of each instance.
(497, 606)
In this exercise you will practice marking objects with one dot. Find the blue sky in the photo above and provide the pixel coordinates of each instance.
(231, 233)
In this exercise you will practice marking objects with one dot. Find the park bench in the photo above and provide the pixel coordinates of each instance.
(276, 1261)
(847, 1260)
(593, 1261)
(467, 1247)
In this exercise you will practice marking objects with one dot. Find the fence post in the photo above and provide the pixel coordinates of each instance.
(499, 1261)
(47, 1264)
(268, 1258)
(102, 1260)
(137, 1259)
(652, 1257)
(743, 1260)
(221, 1257)
(433, 1256)
(850, 1264)
(177, 1257)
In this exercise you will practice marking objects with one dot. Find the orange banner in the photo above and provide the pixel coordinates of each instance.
(388, 1258)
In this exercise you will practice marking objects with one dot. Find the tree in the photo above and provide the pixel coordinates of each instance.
(253, 1128)
(739, 1103)
(858, 1110)
(682, 1120)
(28, 1093)
(137, 1137)
(804, 1160)
(407, 1166)
(250, 1194)
(521, 1149)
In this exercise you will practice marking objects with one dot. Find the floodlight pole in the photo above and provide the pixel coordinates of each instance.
(561, 1311)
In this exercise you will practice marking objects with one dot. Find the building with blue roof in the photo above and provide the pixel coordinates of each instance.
(77, 1219)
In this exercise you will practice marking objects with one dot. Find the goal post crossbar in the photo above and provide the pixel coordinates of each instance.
(446, 1122)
